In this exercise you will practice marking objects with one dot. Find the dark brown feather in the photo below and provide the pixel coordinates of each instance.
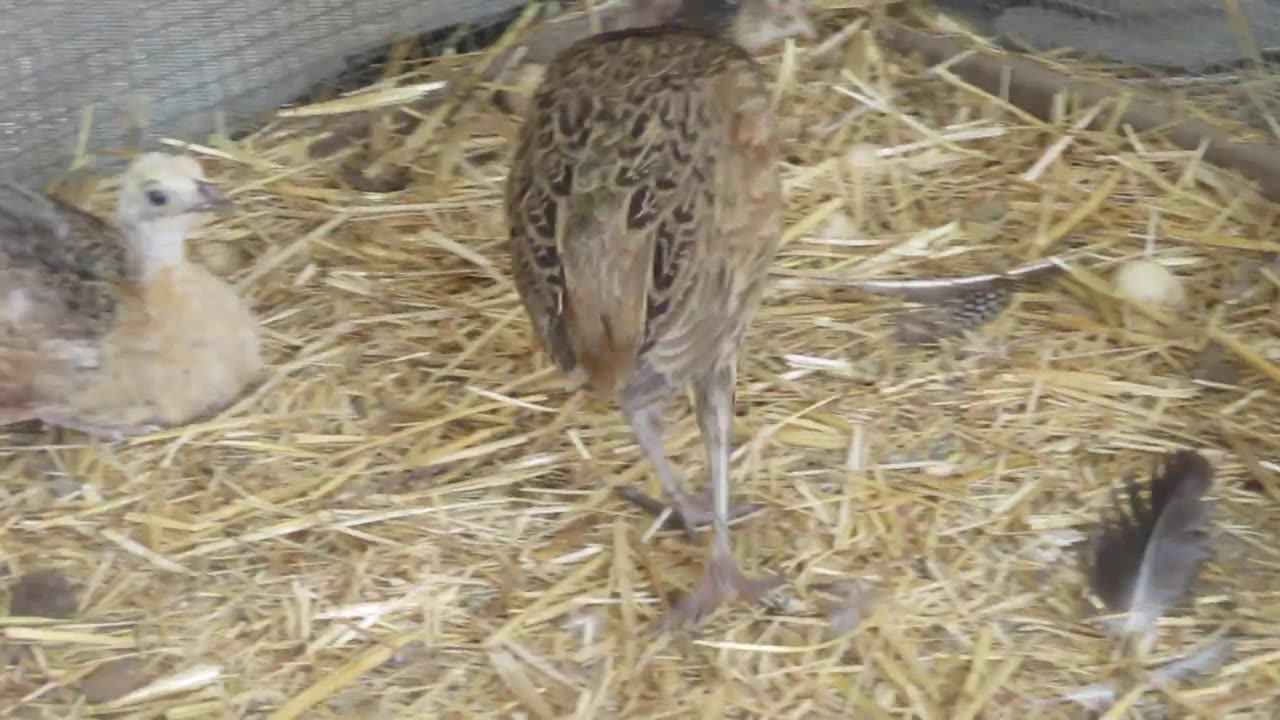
(1147, 553)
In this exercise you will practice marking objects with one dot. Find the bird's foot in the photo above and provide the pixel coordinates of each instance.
(689, 513)
(721, 582)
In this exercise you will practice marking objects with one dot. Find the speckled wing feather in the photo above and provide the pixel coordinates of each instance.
(67, 264)
(61, 273)
(617, 204)
(955, 315)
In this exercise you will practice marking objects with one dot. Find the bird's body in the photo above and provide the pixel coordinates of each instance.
(166, 368)
(622, 183)
(645, 209)
(108, 328)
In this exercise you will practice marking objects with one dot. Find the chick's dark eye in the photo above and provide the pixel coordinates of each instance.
(157, 198)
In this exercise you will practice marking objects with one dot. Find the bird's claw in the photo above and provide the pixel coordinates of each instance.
(689, 514)
(722, 581)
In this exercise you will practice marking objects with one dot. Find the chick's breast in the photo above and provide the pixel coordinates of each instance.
(644, 205)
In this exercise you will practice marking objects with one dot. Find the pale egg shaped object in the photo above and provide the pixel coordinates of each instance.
(1149, 282)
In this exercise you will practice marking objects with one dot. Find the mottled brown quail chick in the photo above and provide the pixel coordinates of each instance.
(645, 209)
(108, 329)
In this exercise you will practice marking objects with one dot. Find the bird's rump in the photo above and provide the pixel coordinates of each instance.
(617, 201)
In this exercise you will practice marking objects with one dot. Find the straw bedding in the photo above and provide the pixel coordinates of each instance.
(412, 517)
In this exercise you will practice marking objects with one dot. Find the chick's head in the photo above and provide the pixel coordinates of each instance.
(753, 24)
(160, 188)
(161, 196)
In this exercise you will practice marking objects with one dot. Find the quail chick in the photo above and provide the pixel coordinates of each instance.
(108, 329)
(645, 209)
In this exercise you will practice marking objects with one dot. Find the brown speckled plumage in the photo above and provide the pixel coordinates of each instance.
(622, 171)
(645, 209)
(71, 261)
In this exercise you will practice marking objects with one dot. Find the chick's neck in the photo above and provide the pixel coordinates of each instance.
(157, 244)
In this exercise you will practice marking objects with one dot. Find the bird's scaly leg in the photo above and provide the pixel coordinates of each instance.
(690, 512)
(722, 580)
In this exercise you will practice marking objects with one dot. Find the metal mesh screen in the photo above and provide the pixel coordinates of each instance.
(1191, 35)
(1194, 35)
(190, 59)
(197, 61)
(1196, 49)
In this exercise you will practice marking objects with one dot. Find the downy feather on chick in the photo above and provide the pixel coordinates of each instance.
(108, 328)
(1148, 552)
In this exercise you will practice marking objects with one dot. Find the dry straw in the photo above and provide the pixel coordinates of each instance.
(412, 518)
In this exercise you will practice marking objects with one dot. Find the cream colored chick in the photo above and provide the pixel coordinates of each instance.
(111, 330)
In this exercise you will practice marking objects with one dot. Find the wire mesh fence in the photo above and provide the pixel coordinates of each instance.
(1223, 55)
(1189, 35)
(205, 65)
(199, 65)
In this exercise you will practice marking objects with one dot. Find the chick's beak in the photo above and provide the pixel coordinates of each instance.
(212, 199)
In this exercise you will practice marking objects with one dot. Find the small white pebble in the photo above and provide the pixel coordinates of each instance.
(18, 306)
(885, 695)
(1149, 282)
(587, 623)
(839, 226)
(862, 155)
